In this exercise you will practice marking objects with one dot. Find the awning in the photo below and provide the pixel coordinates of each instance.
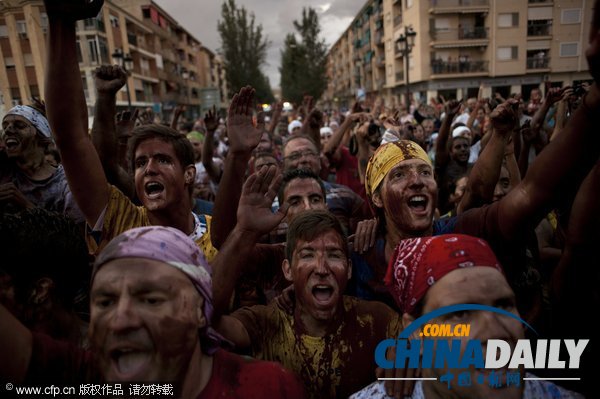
(538, 44)
(539, 13)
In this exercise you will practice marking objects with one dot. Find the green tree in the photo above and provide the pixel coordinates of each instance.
(303, 64)
(244, 50)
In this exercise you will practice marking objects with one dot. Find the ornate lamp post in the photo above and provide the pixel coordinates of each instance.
(405, 44)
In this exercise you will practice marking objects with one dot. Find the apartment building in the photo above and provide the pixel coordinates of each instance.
(509, 46)
(166, 65)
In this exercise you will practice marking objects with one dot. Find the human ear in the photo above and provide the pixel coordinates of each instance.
(287, 270)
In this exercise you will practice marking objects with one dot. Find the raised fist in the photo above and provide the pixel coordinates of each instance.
(109, 79)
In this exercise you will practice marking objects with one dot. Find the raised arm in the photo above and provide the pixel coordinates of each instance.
(311, 126)
(211, 121)
(442, 153)
(67, 110)
(109, 80)
(254, 219)
(277, 108)
(486, 171)
(558, 170)
(336, 140)
(243, 138)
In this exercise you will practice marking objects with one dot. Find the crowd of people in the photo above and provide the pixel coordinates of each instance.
(253, 254)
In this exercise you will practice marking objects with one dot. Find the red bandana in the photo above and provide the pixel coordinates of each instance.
(418, 263)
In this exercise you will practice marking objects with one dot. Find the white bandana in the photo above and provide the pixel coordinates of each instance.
(34, 117)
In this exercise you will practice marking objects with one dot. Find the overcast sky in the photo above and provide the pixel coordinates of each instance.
(276, 16)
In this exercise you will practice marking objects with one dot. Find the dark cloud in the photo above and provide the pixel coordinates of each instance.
(276, 17)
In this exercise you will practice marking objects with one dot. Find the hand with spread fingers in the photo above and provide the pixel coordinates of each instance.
(243, 135)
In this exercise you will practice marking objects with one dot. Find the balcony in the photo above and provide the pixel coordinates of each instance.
(94, 24)
(538, 62)
(459, 34)
(132, 39)
(458, 6)
(400, 76)
(439, 67)
(398, 20)
(539, 28)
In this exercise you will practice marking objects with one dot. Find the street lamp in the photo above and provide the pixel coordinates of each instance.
(405, 44)
(126, 62)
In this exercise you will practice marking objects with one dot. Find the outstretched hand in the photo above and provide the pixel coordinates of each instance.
(124, 124)
(254, 213)
(452, 107)
(72, 10)
(243, 135)
(211, 121)
(109, 79)
(504, 117)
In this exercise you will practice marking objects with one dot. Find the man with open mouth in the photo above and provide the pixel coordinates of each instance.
(326, 338)
(150, 312)
(161, 159)
(29, 180)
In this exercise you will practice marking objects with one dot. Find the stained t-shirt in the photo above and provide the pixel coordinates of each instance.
(332, 366)
(233, 377)
(121, 215)
(52, 194)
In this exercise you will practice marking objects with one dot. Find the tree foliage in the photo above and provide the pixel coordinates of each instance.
(303, 64)
(244, 50)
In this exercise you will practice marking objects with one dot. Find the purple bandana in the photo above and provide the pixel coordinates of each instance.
(174, 248)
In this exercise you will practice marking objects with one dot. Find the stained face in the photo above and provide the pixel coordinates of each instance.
(460, 150)
(144, 320)
(325, 137)
(459, 190)
(503, 185)
(265, 161)
(301, 154)
(408, 195)
(160, 180)
(19, 135)
(478, 285)
(301, 195)
(265, 144)
(319, 271)
(197, 146)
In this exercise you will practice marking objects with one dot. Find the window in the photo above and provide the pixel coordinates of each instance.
(114, 21)
(144, 65)
(28, 58)
(79, 55)
(22, 29)
(3, 31)
(9, 62)
(93, 50)
(44, 22)
(569, 49)
(508, 20)
(103, 50)
(570, 16)
(507, 53)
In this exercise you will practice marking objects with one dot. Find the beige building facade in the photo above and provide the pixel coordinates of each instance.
(509, 46)
(166, 65)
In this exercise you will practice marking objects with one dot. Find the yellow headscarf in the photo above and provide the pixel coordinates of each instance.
(387, 157)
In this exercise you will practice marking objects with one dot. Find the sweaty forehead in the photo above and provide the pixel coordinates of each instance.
(302, 186)
(327, 239)
(13, 118)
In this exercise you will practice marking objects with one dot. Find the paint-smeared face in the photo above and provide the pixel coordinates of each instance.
(302, 195)
(460, 150)
(145, 317)
(475, 285)
(19, 136)
(408, 196)
(160, 180)
(319, 271)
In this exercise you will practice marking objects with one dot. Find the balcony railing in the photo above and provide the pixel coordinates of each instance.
(458, 3)
(544, 29)
(444, 67)
(538, 62)
(460, 34)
